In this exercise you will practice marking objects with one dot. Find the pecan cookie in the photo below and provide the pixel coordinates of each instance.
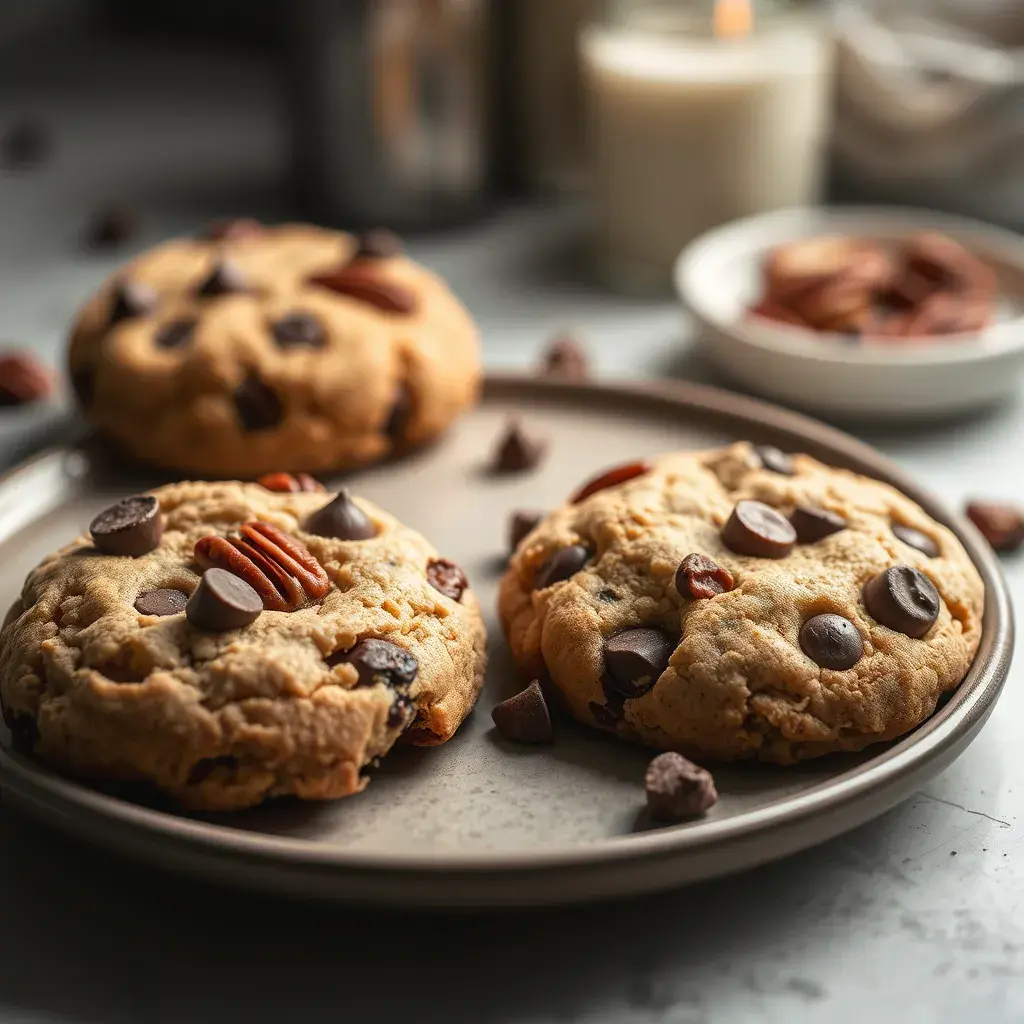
(231, 643)
(273, 348)
(744, 603)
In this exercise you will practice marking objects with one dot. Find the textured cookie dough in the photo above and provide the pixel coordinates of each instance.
(100, 691)
(348, 390)
(738, 683)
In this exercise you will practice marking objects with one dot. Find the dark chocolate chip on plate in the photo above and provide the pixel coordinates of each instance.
(561, 565)
(916, 539)
(518, 450)
(342, 519)
(299, 330)
(524, 718)
(380, 661)
(520, 523)
(1000, 523)
(699, 577)
(903, 599)
(831, 641)
(26, 143)
(132, 527)
(111, 227)
(223, 602)
(774, 459)
(377, 244)
(258, 406)
(447, 578)
(634, 660)
(813, 524)
(131, 299)
(225, 278)
(175, 333)
(565, 359)
(164, 601)
(759, 530)
(677, 788)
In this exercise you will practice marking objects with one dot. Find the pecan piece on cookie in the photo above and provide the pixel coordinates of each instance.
(290, 483)
(277, 566)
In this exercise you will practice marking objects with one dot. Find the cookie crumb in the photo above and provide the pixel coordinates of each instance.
(678, 789)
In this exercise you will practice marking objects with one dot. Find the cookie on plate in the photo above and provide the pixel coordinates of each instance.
(257, 349)
(744, 603)
(229, 643)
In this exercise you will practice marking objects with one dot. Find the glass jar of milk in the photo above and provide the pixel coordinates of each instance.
(699, 112)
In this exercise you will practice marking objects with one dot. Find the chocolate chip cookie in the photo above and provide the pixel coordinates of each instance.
(229, 643)
(743, 603)
(257, 348)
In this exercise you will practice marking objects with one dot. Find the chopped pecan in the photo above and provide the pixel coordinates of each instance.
(288, 483)
(278, 567)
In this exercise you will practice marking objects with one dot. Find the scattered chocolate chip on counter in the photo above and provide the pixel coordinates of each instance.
(999, 522)
(518, 451)
(222, 602)
(565, 358)
(678, 789)
(111, 227)
(23, 379)
(524, 718)
(131, 528)
(25, 144)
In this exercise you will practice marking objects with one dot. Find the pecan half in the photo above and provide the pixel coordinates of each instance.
(287, 483)
(278, 567)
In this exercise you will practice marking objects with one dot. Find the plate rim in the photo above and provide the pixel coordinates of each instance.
(940, 737)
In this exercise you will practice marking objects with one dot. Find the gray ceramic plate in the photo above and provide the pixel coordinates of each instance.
(478, 822)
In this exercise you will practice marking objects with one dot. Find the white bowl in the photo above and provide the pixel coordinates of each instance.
(719, 276)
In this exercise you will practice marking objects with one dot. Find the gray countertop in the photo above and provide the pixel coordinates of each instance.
(917, 917)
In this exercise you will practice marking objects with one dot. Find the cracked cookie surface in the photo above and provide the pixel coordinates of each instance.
(734, 673)
(274, 348)
(100, 690)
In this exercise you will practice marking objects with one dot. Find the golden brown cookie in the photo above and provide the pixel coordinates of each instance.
(743, 603)
(122, 667)
(273, 348)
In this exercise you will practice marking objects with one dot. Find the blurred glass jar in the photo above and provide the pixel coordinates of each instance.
(392, 106)
(931, 105)
(699, 112)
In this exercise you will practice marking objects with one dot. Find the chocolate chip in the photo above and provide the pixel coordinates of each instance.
(561, 565)
(226, 278)
(635, 659)
(299, 330)
(27, 143)
(831, 641)
(607, 595)
(341, 519)
(222, 602)
(521, 523)
(364, 284)
(916, 539)
(565, 359)
(23, 379)
(378, 244)
(757, 529)
(161, 602)
(610, 478)
(677, 788)
(176, 333)
(232, 229)
(111, 227)
(380, 661)
(399, 415)
(132, 527)
(524, 718)
(517, 451)
(699, 577)
(24, 731)
(131, 299)
(446, 578)
(813, 524)
(904, 599)
(603, 715)
(1001, 524)
(257, 403)
(773, 459)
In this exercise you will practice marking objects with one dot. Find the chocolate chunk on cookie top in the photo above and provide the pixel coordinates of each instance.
(706, 604)
(336, 351)
(916, 539)
(236, 656)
